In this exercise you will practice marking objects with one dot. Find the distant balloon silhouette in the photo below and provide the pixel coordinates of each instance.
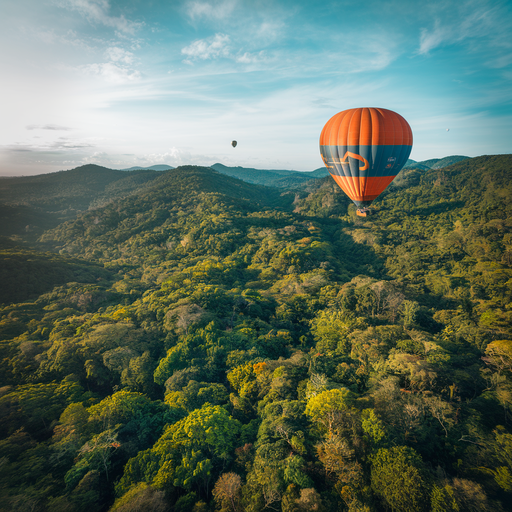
(447, 129)
(364, 149)
(234, 143)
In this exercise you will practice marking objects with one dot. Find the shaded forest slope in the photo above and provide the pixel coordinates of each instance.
(32, 204)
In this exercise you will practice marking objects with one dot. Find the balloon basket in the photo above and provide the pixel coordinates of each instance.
(363, 212)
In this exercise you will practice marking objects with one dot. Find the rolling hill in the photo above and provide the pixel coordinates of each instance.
(272, 178)
(435, 163)
(31, 204)
(174, 196)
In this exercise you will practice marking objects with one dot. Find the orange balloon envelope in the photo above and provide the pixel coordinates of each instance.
(364, 149)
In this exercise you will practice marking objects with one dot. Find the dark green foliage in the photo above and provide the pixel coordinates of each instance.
(27, 274)
(203, 342)
(30, 205)
(397, 478)
(74, 189)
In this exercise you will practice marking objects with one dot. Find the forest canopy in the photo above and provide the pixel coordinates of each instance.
(184, 340)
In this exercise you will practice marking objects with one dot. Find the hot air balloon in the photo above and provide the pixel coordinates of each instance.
(234, 143)
(364, 149)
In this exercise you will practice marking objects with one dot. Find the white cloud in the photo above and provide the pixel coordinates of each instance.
(173, 156)
(218, 10)
(116, 54)
(211, 48)
(97, 11)
(250, 58)
(374, 53)
(433, 38)
(111, 72)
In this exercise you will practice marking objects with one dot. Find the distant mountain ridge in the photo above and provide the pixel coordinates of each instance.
(271, 177)
(158, 167)
(435, 163)
(284, 178)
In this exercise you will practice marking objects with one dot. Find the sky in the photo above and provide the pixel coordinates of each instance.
(123, 83)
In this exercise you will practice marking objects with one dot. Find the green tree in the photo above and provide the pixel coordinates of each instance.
(398, 478)
(326, 407)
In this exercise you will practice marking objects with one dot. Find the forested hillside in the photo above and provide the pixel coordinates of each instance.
(193, 342)
(435, 163)
(273, 178)
(30, 205)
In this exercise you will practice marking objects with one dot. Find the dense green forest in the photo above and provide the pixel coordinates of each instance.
(187, 341)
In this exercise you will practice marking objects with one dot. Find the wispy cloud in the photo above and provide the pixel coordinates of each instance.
(117, 54)
(268, 31)
(66, 143)
(111, 72)
(376, 52)
(251, 58)
(467, 21)
(97, 12)
(257, 24)
(433, 38)
(60, 144)
(53, 37)
(211, 48)
(217, 10)
(54, 127)
(118, 70)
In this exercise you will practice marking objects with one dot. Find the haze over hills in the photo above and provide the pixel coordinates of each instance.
(273, 178)
(42, 201)
(178, 331)
(435, 163)
(77, 187)
(151, 168)
(288, 178)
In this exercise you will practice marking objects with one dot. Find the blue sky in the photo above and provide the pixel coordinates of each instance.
(142, 82)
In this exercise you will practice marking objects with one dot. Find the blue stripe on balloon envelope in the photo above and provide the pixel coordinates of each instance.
(383, 160)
